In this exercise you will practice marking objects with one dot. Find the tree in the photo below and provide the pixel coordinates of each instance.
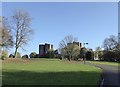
(89, 54)
(63, 53)
(4, 54)
(117, 52)
(73, 51)
(117, 55)
(11, 56)
(7, 39)
(83, 52)
(110, 43)
(68, 49)
(37, 56)
(21, 27)
(51, 53)
(56, 53)
(33, 55)
(98, 53)
(25, 56)
(111, 49)
(109, 56)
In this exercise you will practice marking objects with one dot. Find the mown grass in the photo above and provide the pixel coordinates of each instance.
(49, 72)
(0, 72)
(105, 63)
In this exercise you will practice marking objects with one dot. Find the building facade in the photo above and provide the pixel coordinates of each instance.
(44, 48)
(76, 43)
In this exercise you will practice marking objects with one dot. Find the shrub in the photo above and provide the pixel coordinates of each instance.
(33, 55)
(11, 56)
(109, 56)
(37, 56)
(25, 56)
(4, 54)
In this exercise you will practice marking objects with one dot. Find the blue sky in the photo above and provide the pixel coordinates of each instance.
(90, 22)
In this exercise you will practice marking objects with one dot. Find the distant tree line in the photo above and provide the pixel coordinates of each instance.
(109, 52)
(71, 51)
(50, 54)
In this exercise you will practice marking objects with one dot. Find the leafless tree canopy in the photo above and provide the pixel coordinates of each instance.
(67, 48)
(110, 43)
(6, 36)
(21, 26)
(66, 40)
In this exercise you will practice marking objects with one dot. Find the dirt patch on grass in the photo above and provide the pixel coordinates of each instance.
(16, 60)
(21, 60)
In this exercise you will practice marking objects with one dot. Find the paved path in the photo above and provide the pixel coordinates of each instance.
(111, 76)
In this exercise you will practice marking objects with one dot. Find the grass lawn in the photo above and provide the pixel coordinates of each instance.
(0, 72)
(48, 72)
(105, 63)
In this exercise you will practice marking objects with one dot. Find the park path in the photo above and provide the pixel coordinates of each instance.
(110, 75)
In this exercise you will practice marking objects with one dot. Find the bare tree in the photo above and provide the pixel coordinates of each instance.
(21, 27)
(110, 43)
(111, 49)
(6, 39)
(67, 48)
(6, 35)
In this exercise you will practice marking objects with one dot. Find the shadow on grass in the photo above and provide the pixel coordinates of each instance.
(50, 78)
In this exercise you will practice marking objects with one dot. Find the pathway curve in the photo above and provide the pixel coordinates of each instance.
(111, 76)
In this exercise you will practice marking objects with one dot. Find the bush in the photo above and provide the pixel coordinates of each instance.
(4, 54)
(33, 55)
(25, 56)
(89, 55)
(11, 56)
(109, 56)
(37, 56)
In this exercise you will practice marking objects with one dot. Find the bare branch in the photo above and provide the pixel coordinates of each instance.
(21, 26)
(67, 48)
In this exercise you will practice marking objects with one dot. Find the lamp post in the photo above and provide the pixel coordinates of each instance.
(84, 52)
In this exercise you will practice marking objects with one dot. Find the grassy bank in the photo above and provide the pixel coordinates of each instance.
(48, 72)
(105, 63)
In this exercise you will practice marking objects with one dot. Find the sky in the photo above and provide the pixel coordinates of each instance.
(90, 22)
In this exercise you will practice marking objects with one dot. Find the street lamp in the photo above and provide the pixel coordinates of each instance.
(84, 52)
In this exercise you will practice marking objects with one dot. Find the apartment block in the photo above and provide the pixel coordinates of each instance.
(44, 48)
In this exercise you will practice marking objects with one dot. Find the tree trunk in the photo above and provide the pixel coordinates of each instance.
(69, 58)
(15, 54)
(1, 50)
